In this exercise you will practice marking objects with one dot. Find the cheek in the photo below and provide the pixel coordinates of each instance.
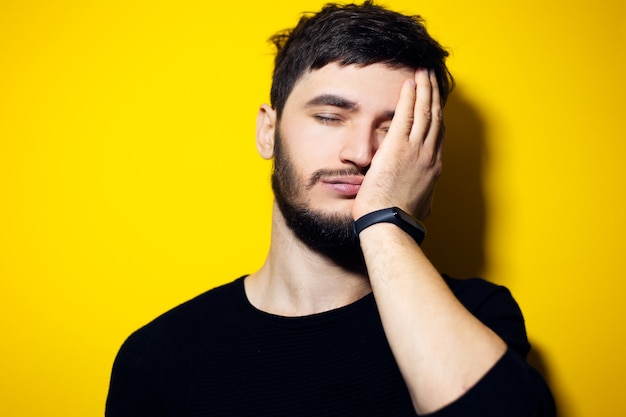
(311, 145)
(317, 141)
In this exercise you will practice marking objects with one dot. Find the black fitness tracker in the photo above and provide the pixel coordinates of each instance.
(394, 215)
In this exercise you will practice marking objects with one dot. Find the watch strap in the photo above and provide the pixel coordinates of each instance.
(395, 215)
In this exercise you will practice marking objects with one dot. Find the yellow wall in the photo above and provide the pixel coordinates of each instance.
(129, 180)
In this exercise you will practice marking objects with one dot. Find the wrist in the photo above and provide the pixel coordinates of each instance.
(393, 215)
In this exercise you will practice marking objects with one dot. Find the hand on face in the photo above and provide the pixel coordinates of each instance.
(407, 164)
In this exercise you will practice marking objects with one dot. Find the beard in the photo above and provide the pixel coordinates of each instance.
(330, 235)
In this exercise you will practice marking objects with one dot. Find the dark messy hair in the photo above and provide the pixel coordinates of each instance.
(354, 34)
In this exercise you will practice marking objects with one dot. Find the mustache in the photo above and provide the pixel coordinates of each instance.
(321, 173)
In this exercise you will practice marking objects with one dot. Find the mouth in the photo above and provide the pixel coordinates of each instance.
(346, 186)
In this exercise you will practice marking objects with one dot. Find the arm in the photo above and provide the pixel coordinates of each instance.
(441, 348)
(416, 306)
(511, 387)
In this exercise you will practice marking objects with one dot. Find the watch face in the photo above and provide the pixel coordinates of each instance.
(404, 217)
(401, 214)
(394, 215)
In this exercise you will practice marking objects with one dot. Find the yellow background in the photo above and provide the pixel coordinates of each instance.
(129, 180)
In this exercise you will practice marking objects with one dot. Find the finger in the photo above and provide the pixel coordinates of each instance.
(435, 134)
(422, 113)
(440, 138)
(402, 121)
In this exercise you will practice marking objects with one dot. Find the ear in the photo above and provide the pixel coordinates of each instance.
(265, 127)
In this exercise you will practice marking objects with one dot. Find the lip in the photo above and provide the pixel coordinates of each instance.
(347, 186)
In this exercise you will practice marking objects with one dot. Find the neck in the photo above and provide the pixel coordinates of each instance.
(297, 281)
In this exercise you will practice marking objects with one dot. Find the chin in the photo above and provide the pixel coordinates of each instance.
(339, 208)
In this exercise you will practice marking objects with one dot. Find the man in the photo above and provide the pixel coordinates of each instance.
(347, 316)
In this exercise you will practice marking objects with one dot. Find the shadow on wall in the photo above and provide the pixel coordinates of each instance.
(457, 226)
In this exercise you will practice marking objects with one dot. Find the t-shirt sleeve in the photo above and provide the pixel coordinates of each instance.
(155, 366)
(133, 387)
(511, 387)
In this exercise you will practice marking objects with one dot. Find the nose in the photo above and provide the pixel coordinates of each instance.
(359, 146)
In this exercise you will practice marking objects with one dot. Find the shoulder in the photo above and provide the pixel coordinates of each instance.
(204, 306)
(495, 306)
(474, 292)
(206, 314)
(154, 366)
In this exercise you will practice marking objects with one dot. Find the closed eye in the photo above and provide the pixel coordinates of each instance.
(327, 118)
(384, 128)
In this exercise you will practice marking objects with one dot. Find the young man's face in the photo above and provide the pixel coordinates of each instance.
(332, 124)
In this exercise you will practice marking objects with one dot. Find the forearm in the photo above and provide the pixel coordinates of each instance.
(442, 349)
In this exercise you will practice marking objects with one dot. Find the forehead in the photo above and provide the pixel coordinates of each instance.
(372, 86)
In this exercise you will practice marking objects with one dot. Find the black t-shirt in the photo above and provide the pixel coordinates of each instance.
(217, 355)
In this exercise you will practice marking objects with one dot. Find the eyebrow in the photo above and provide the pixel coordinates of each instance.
(340, 102)
(332, 100)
